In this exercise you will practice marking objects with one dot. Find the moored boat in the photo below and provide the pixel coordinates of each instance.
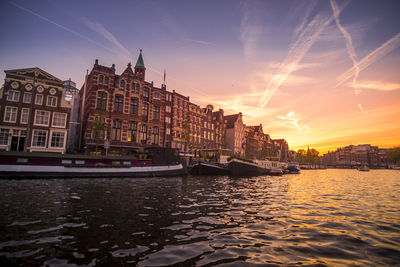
(276, 172)
(245, 168)
(363, 168)
(293, 168)
(157, 162)
(209, 168)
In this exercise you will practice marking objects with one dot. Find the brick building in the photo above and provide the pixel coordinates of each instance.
(235, 134)
(122, 113)
(34, 113)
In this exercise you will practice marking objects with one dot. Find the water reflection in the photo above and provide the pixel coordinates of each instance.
(324, 217)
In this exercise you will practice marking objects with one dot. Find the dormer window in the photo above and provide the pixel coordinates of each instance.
(156, 96)
(122, 84)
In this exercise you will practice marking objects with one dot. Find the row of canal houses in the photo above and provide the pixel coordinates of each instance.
(118, 114)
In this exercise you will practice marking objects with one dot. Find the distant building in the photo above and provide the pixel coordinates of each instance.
(353, 156)
(235, 134)
(34, 113)
(283, 149)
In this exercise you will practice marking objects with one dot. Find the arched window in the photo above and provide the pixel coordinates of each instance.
(118, 103)
(132, 131)
(122, 84)
(155, 135)
(143, 133)
(101, 79)
(101, 100)
(116, 130)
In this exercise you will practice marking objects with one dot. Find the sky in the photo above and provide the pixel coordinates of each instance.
(323, 74)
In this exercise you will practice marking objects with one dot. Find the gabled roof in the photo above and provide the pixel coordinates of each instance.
(230, 120)
(36, 73)
(128, 70)
(140, 62)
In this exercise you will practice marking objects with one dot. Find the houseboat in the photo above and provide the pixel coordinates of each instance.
(153, 162)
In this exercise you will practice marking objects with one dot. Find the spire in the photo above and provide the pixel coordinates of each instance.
(140, 62)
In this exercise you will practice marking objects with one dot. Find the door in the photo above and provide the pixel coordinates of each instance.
(21, 144)
(14, 143)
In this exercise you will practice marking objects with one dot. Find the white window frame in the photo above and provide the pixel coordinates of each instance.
(33, 138)
(36, 114)
(51, 137)
(51, 104)
(11, 115)
(8, 136)
(13, 95)
(168, 109)
(36, 99)
(23, 98)
(53, 120)
(23, 110)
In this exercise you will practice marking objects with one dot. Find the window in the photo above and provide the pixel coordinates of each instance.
(155, 135)
(156, 96)
(116, 130)
(39, 99)
(57, 139)
(132, 87)
(13, 96)
(4, 134)
(146, 92)
(168, 131)
(168, 109)
(143, 133)
(39, 138)
(10, 114)
(168, 119)
(122, 84)
(42, 118)
(101, 100)
(27, 98)
(101, 79)
(118, 103)
(106, 81)
(138, 88)
(132, 131)
(156, 113)
(145, 111)
(24, 115)
(134, 106)
(52, 101)
(169, 97)
(59, 119)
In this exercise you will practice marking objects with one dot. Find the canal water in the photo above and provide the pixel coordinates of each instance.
(316, 218)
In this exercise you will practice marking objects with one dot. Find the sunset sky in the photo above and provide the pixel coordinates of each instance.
(322, 74)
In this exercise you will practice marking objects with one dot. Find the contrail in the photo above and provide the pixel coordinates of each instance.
(381, 51)
(349, 45)
(298, 50)
(61, 26)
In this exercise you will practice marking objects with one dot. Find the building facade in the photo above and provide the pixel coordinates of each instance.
(121, 113)
(34, 113)
(235, 134)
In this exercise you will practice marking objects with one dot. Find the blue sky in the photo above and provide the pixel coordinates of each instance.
(306, 74)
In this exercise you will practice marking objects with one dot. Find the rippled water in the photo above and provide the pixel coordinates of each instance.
(316, 218)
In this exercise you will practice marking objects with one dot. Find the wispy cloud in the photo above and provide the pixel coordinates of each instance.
(371, 58)
(349, 44)
(61, 26)
(293, 118)
(379, 85)
(361, 108)
(100, 29)
(198, 41)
